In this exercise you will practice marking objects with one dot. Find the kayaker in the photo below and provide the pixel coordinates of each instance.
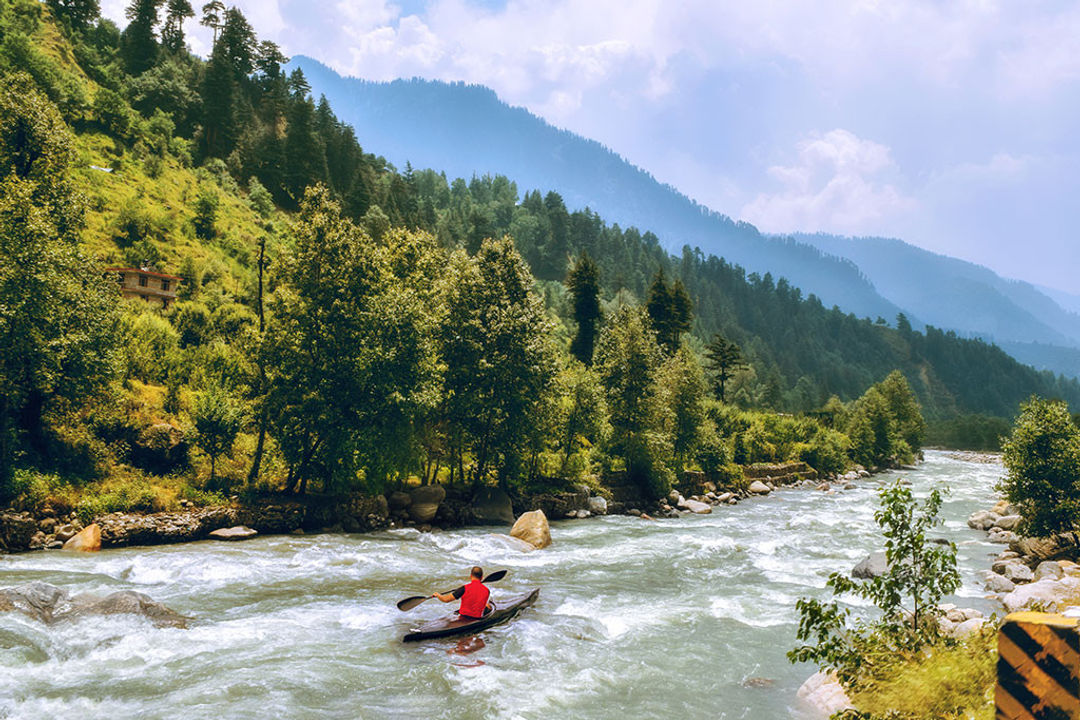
(473, 596)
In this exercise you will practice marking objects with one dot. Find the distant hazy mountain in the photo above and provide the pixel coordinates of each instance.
(969, 298)
(1069, 301)
(465, 130)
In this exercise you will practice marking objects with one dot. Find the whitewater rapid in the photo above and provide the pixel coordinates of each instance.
(677, 618)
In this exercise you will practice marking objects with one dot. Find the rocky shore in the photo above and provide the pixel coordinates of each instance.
(423, 507)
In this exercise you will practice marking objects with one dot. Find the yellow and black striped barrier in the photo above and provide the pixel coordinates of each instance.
(1038, 667)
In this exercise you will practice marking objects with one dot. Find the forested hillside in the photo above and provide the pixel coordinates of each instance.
(969, 298)
(341, 323)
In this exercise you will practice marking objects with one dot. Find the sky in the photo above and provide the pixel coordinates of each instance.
(948, 123)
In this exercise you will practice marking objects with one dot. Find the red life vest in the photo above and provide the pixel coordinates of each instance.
(474, 599)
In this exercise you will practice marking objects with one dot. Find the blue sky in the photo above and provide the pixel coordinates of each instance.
(949, 124)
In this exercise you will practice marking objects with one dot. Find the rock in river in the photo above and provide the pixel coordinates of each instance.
(239, 532)
(491, 506)
(48, 604)
(425, 502)
(759, 488)
(695, 506)
(598, 505)
(872, 566)
(533, 528)
(88, 540)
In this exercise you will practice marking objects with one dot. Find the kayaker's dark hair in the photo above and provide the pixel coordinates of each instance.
(477, 572)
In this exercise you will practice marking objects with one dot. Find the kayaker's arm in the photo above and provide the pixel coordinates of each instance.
(450, 596)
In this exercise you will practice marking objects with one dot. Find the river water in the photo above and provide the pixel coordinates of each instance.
(681, 618)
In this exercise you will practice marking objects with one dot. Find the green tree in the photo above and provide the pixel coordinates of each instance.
(920, 573)
(581, 415)
(904, 409)
(77, 13)
(1042, 456)
(348, 353)
(218, 419)
(172, 32)
(139, 42)
(58, 315)
(497, 349)
(627, 360)
(213, 16)
(724, 359)
(683, 385)
(206, 209)
(583, 282)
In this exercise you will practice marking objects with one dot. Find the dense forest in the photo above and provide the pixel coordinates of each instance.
(344, 324)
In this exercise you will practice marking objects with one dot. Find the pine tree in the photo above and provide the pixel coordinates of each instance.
(139, 46)
(77, 13)
(172, 33)
(213, 16)
(724, 358)
(583, 282)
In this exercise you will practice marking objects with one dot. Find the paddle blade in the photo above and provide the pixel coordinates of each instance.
(495, 576)
(410, 602)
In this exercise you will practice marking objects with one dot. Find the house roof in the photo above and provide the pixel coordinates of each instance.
(142, 272)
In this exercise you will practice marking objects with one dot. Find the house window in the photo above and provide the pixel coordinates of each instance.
(165, 285)
(142, 281)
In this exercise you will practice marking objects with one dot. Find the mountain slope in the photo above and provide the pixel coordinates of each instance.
(465, 130)
(971, 299)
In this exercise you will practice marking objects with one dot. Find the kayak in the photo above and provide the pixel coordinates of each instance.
(457, 625)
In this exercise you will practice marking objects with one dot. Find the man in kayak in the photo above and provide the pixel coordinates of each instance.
(474, 596)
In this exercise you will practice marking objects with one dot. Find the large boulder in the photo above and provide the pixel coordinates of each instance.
(425, 502)
(492, 506)
(822, 695)
(872, 566)
(696, 507)
(998, 583)
(510, 543)
(238, 532)
(1056, 547)
(598, 505)
(88, 540)
(398, 501)
(533, 528)
(127, 602)
(1047, 594)
(759, 488)
(1008, 522)
(16, 530)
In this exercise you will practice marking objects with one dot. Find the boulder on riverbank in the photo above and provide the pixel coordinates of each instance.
(822, 695)
(425, 502)
(237, 532)
(16, 530)
(533, 528)
(48, 604)
(492, 506)
(759, 488)
(87, 540)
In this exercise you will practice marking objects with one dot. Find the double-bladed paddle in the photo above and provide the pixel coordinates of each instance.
(410, 602)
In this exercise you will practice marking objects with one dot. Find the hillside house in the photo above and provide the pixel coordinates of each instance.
(146, 284)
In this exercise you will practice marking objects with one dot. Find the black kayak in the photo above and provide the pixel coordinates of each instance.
(457, 625)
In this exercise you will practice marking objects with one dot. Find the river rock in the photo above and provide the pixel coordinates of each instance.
(695, 506)
(1049, 569)
(16, 530)
(822, 695)
(47, 525)
(674, 497)
(425, 502)
(1002, 537)
(126, 602)
(1008, 522)
(533, 528)
(1055, 547)
(237, 532)
(998, 583)
(724, 497)
(759, 488)
(88, 540)
(976, 520)
(1015, 571)
(872, 566)
(967, 627)
(598, 505)
(398, 500)
(1047, 594)
(582, 514)
(491, 506)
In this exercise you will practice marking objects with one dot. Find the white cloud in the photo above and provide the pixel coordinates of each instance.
(836, 184)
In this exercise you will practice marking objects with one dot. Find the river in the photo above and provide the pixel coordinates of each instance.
(681, 618)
